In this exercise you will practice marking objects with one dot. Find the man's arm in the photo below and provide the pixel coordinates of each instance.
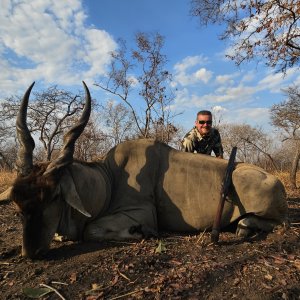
(187, 144)
(218, 148)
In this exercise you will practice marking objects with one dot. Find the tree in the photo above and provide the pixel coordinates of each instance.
(50, 114)
(165, 132)
(253, 144)
(257, 29)
(286, 117)
(139, 78)
(117, 121)
(8, 145)
(8, 154)
(283, 155)
(92, 143)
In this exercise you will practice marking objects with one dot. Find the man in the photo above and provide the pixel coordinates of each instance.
(203, 138)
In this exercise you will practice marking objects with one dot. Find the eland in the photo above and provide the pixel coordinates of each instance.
(141, 187)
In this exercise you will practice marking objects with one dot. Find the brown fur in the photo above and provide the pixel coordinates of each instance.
(26, 190)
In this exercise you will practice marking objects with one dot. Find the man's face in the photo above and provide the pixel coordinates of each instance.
(203, 124)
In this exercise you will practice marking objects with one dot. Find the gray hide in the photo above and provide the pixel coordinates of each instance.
(155, 187)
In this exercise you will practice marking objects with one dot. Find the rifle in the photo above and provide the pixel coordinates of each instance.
(224, 193)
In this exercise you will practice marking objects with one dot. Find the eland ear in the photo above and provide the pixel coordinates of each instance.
(70, 194)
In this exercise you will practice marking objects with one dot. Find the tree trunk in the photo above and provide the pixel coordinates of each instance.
(294, 167)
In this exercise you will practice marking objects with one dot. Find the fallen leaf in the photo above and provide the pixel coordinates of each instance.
(94, 297)
(297, 264)
(73, 277)
(269, 277)
(175, 262)
(161, 247)
(115, 280)
(245, 269)
(58, 238)
(96, 286)
(283, 282)
(96, 290)
(279, 260)
(11, 283)
(266, 286)
(36, 292)
(175, 286)
(129, 266)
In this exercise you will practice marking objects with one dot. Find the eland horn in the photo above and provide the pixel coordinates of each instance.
(26, 142)
(65, 156)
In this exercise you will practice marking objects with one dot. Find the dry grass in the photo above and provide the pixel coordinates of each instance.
(284, 177)
(6, 179)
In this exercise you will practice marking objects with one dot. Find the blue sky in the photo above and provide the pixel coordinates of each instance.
(65, 42)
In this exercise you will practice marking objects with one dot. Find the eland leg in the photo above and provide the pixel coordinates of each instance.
(251, 225)
(125, 224)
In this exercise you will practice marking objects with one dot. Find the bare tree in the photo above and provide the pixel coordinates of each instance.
(6, 146)
(92, 143)
(286, 117)
(117, 122)
(139, 78)
(284, 154)
(217, 114)
(50, 114)
(266, 30)
(8, 154)
(253, 144)
(8, 143)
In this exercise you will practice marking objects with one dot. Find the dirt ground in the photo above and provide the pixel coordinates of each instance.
(171, 267)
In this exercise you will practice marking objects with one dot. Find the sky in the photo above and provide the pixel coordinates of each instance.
(64, 42)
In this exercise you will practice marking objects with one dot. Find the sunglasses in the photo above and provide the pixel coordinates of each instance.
(205, 122)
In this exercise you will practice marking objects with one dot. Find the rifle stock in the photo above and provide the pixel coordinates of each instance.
(224, 193)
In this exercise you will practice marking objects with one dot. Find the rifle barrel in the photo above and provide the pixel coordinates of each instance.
(224, 192)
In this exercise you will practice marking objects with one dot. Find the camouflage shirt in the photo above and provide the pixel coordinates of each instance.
(194, 142)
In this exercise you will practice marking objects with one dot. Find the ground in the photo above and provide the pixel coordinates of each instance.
(171, 267)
